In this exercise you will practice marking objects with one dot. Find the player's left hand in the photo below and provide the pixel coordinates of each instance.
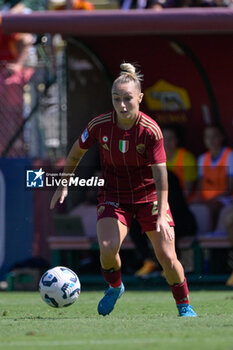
(163, 226)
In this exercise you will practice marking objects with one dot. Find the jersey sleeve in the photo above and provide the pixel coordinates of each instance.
(155, 150)
(87, 138)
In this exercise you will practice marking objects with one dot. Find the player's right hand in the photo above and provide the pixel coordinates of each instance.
(61, 192)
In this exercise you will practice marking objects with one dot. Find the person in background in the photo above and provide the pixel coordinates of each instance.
(197, 3)
(14, 48)
(156, 5)
(179, 160)
(163, 4)
(15, 72)
(215, 176)
(70, 5)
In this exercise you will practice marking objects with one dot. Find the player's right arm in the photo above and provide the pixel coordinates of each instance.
(75, 155)
(80, 147)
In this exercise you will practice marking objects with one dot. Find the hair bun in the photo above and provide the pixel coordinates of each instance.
(129, 73)
(128, 68)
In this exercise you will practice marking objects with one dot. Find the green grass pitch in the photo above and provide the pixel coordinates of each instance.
(140, 320)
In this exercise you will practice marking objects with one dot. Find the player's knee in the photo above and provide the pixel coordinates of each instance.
(108, 248)
(168, 261)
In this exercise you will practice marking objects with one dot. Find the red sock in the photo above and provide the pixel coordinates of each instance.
(181, 292)
(112, 277)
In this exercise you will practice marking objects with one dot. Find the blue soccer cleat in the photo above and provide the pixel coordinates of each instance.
(106, 305)
(186, 310)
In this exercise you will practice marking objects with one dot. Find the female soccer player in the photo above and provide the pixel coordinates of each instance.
(133, 165)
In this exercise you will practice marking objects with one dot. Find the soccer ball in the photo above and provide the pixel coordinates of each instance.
(59, 287)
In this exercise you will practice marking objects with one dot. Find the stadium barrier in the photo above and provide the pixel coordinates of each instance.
(198, 249)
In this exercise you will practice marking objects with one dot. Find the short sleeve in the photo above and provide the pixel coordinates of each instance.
(87, 138)
(155, 151)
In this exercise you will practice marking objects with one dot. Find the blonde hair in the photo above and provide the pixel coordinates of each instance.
(128, 73)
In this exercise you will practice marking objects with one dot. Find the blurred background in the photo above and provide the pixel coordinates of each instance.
(53, 84)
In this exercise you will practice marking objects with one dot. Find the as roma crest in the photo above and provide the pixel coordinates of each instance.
(123, 145)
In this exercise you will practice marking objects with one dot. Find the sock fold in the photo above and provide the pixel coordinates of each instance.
(112, 277)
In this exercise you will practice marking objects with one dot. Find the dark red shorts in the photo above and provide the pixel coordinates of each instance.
(145, 213)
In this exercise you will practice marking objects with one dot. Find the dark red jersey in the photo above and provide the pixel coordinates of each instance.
(126, 157)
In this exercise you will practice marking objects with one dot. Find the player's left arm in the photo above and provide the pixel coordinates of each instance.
(157, 157)
(159, 172)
